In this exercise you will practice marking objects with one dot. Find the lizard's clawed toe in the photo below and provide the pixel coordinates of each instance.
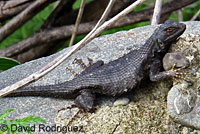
(180, 75)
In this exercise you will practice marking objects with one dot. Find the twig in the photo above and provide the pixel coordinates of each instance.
(103, 17)
(157, 12)
(78, 20)
(195, 16)
(35, 76)
(22, 18)
(112, 21)
(180, 15)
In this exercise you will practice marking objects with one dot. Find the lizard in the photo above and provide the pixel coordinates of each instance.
(118, 76)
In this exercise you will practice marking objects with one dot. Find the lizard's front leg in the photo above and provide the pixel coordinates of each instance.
(155, 73)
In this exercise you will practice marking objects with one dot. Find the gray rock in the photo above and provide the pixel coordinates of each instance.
(184, 108)
(178, 59)
(121, 101)
(183, 101)
(106, 48)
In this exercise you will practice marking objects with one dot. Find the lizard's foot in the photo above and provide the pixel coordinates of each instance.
(69, 107)
(180, 75)
(85, 101)
(80, 62)
(90, 61)
(92, 66)
(76, 115)
(172, 73)
(71, 71)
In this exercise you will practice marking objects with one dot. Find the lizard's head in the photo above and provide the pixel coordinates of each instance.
(167, 33)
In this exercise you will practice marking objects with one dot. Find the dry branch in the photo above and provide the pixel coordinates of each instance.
(196, 15)
(102, 19)
(180, 15)
(10, 8)
(157, 12)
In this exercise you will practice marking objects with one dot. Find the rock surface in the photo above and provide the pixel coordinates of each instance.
(183, 99)
(176, 59)
(147, 112)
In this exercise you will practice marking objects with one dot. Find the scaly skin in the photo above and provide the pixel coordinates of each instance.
(118, 76)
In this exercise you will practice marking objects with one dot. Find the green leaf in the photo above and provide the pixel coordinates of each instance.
(6, 63)
(26, 122)
(2, 116)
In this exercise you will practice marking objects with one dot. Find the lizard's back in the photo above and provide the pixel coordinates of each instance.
(117, 76)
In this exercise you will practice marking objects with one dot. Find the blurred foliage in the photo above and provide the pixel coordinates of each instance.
(34, 24)
(7, 125)
(6, 63)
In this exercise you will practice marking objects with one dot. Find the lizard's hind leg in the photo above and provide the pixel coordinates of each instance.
(92, 67)
(85, 100)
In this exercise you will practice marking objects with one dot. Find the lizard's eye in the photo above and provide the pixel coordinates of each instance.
(170, 29)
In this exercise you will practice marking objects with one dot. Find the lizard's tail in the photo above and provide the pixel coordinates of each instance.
(63, 90)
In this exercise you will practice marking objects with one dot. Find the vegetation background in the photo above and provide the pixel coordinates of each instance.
(35, 23)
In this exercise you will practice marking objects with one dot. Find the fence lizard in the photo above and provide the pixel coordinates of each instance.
(118, 76)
